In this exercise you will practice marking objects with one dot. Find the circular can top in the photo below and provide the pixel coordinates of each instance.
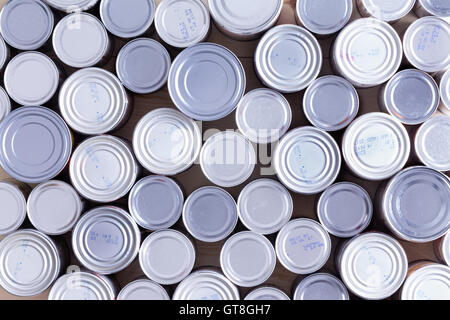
(321, 286)
(416, 204)
(29, 263)
(227, 159)
(14, 207)
(331, 103)
(166, 142)
(162, 267)
(143, 289)
(77, 28)
(54, 207)
(445, 245)
(303, 246)
(182, 23)
(345, 209)
(267, 293)
(367, 52)
(106, 240)
(444, 90)
(386, 10)
(31, 78)
(288, 58)
(430, 282)
(103, 168)
(265, 206)
(263, 115)
(210, 214)
(4, 53)
(69, 6)
(156, 202)
(5, 104)
(206, 81)
(206, 285)
(440, 8)
(307, 160)
(35, 144)
(375, 146)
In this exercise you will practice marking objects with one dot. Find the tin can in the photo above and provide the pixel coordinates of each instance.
(321, 286)
(303, 246)
(245, 20)
(5, 53)
(442, 248)
(206, 81)
(443, 78)
(5, 104)
(385, 10)
(166, 142)
(375, 146)
(210, 214)
(307, 160)
(367, 52)
(143, 289)
(263, 116)
(227, 159)
(103, 168)
(35, 144)
(106, 240)
(162, 267)
(288, 58)
(13, 197)
(265, 206)
(70, 6)
(331, 103)
(267, 293)
(432, 8)
(93, 101)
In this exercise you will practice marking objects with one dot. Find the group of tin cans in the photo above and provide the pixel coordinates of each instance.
(207, 82)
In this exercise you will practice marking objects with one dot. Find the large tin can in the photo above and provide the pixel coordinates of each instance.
(266, 293)
(321, 286)
(5, 104)
(69, 6)
(443, 79)
(442, 248)
(13, 197)
(386, 10)
(432, 8)
(143, 289)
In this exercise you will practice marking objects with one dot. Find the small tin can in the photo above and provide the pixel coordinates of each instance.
(210, 214)
(93, 101)
(307, 160)
(375, 146)
(331, 103)
(245, 20)
(321, 286)
(206, 81)
(443, 78)
(70, 6)
(35, 144)
(143, 289)
(367, 52)
(156, 202)
(267, 293)
(182, 23)
(288, 58)
(432, 8)
(5, 54)
(442, 248)
(263, 116)
(166, 142)
(167, 256)
(5, 104)
(303, 246)
(106, 240)
(265, 206)
(385, 10)
(13, 197)
(227, 159)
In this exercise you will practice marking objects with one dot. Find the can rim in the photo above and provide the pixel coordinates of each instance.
(377, 12)
(432, 272)
(4, 52)
(142, 284)
(444, 89)
(264, 292)
(70, 8)
(5, 104)
(446, 248)
(22, 206)
(302, 287)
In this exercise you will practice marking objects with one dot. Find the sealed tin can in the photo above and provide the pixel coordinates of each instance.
(35, 144)
(267, 293)
(427, 281)
(143, 289)
(303, 246)
(443, 78)
(367, 52)
(432, 8)
(106, 240)
(69, 6)
(5, 104)
(386, 10)
(5, 55)
(206, 81)
(13, 197)
(375, 146)
(321, 286)
(442, 248)
(210, 214)
(307, 160)
(167, 256)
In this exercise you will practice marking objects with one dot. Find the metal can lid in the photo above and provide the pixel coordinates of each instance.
(430, 282)
(331, 103)
(36, 144)
(29, 262)
(387, 10)
(31, 78)
(162, 267)
(440, 8)
(321, 286)
(4, 53)
(182, 23)
(156, 202)
(106, 240)
(446, 248)
(166, 142)
(206, 81)
(143, 289)
(54, 207)
(78, 28)
(70, 6)
(14, 207)
(303, 246)
(5, 104)
(93, 101)
(227, 159)
(265, 206)
(444, 89)
(376, 146)
(263, 115)
(267, 293)
(288, 58)
(307, 160)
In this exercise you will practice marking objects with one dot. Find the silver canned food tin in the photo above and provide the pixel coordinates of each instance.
(70, 6)
(442, 248)
(4, 54)
(106, 240)
(375, 146)
(439, 8)
(143, 289)
(267, 293)
(303, 246)
(206, 81)
(427, 281)
(386, 10)
(307, 160)
(13, 197)
(367, 52)
(5, 104)
(167, 256)
(321, 286)
(443, 78)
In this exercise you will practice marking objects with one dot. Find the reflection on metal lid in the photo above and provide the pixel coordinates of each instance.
(321, 286)
(143, 289)
(69, 6)
(386, 10)
(267, 293)
(429, 282)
